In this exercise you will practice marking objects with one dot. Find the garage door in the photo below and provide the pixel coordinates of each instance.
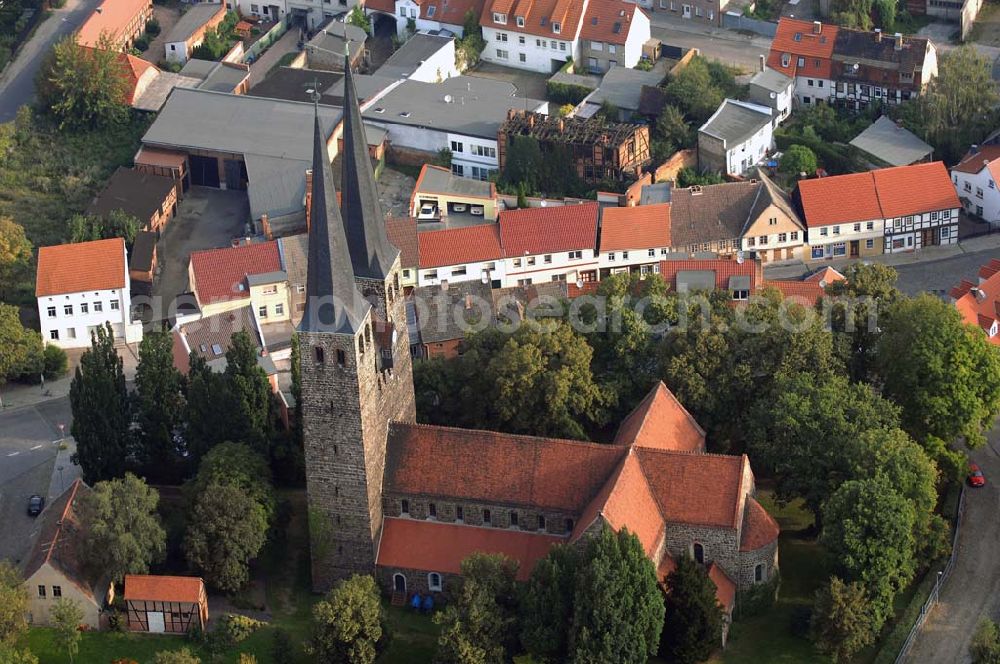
(155, 619)
(204, 171)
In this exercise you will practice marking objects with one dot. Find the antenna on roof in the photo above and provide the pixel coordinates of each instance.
(313, 92)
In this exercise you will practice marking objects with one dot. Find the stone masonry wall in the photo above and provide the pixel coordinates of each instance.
(472, 513)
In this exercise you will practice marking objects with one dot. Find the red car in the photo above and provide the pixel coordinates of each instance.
(976, 477)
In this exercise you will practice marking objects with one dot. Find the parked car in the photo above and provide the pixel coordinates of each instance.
(976, 477)
(35, 505)
(427, 211)
(476, 210)
(458, 207)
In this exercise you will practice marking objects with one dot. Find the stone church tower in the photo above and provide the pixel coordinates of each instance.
(357, 373)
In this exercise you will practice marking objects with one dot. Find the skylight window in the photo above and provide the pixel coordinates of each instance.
(431, 10)
(798, 36)
(379, 109)
(617, 28)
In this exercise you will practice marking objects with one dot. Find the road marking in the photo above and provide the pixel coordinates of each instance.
(13, 454)
(37, 447)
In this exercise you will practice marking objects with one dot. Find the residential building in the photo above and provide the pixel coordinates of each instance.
(979, 301)
(885, 143)
(233, 277)
(412, 501)
(773, 89)
(118, 22)
(326, 48)
(612, 35)
(737, 137)
(462, 114)
(753, 215)
(740, 279)
(426, 15)
(550, 244)
(445, 314)
(470, 253)
(705, 12)
(305, 14)
(291, 84)
(152, 199)
(621, 87)
(598, 150)
(975, 179)
(189, 31)
(82, 286)
(165, 604)
(803, 51)
(538, 35)
(423, 57)
(230, 77)
(851, 68)
(633, 238)
(454, 199)
(55, 569)
(402, 232)
(889, 210)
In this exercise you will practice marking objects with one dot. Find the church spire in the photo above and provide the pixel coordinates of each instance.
(333, 302)
(371, 252)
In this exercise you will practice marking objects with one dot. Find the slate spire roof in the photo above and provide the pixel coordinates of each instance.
(371, 252)
(333, 302)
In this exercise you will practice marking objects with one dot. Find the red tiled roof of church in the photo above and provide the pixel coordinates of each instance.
(725, 588)
(430, 545)
(703, 489)
(497, 467)
(661, 422)
(759, 527)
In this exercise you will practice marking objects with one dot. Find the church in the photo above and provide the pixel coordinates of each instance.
(408, 502)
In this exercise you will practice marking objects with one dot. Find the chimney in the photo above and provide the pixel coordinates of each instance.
(266, 225)
(817, 27)
(899, 41)
(761, 61)
(878, 35)
(99, 10)
(562, 125)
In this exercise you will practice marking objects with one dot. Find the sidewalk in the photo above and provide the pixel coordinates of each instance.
(62, 479)
(928, 255)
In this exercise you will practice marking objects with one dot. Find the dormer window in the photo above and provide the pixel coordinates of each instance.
(556, 27)
(798, 36)
(499, 18)
(786, 59)
(520, 21)
(993, 329)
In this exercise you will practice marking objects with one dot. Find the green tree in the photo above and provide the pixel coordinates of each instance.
(13, 603)
(123, 534)
(236, 465)
(101, 414)
(349, 623)
(674, 129)
(546, 606)
(693, 91)
(11, 655)
(692, 627)
(182, 656)
(843, 622)
(609, 112)
(66, 616)
(479, 625)
(159, 400)
(618, 607)
(689, 177)
(798, 159)
(20, 345)
(250, 420)
(868, 532)
(117, 223)
(15, 260)
(227, 529)
(985, 646)
(859, 301)
(523, 164)
(943, 374)
(208, 409)
(55, 362)
(358, 18)
(83, 87)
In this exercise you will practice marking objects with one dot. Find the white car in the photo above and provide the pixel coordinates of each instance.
(458, 207)
(476, 210)
(427, 211)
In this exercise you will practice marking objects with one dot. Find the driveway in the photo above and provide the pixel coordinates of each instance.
(289, 43)
(206, 219)
(973, 589)
(167, 17)
(17, 82)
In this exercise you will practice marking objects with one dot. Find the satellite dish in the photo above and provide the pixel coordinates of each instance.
(856, 66)
(739, 257)
(579, 283)
(395, 335)
(448, 99)
(773, 95)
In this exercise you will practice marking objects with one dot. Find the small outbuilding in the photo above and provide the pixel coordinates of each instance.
(142, 263)
(150, 198)
(885, 143)
(165, 604)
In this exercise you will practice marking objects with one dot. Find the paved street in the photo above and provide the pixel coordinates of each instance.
(17, 83)
(715, 43)
(28, 450)
(973, 589)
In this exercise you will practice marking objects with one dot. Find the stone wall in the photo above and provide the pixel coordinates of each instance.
(473, 513)
(721, 545)
(748, 561)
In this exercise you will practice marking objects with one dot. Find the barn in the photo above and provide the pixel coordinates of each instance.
(165, 604)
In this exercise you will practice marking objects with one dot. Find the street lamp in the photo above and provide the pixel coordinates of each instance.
(62, 486)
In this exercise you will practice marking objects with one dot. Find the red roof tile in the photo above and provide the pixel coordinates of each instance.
(402, 232)
(80, 267)
(807, 292)
(759, 527)
(983, 157)
(457, 246)
(639, 227)
(387, 6)
(451, 12)
(991, 268)
(565, 12)
(705, 489)
(979, 304)
(825, 275)
(915, 189)
(535, 231)
(961, 289)
(798, 39)
(164, 588)
(608, 21)
(497, 467)
(112, 17)
(220, 273)
(839, 199)
(661, 422)
(725, 588)
(724, 268)
(441, 547)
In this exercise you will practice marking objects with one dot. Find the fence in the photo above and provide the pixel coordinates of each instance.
(943, 575)
(735, 21)
(259, 46)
